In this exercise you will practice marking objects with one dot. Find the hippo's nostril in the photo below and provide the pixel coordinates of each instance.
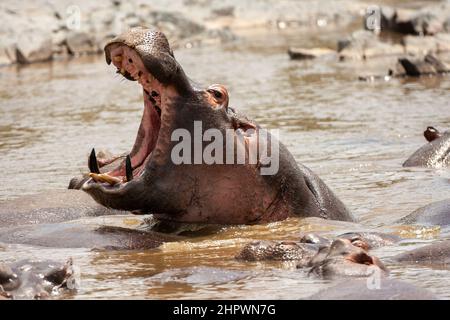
(139, 74)
(154, 93)
(130, 60)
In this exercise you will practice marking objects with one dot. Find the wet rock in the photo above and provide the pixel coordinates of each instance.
(435, 254)
(278, 250)
(303, 54)
(436, 214)
(80, 43)
(34, 46)
(367, 289)
(429, 65)
(7, 51)
(227, 11)
(366, 44)
(29, 279)
(428, 20)
(439, 43)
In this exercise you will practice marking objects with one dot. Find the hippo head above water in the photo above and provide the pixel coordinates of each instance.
(434, 154)
(176, 181)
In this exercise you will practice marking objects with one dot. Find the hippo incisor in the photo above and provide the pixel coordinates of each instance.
(193, 191)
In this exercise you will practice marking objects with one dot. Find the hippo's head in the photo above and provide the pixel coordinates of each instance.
(434, 154)
(346, 257)
(195, 159)
(150, 179)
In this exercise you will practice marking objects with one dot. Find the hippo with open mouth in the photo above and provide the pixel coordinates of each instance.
(153, 179)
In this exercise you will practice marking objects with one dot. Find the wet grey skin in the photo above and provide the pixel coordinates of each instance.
(200, 193)
(51, 207)
(435, 254)
(433, 214)
(71, 219)
(434, 154)
(344, 258)
(386, 289)
(82, 234)
(29, 279)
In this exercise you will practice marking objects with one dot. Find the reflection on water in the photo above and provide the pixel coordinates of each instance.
(355, 135)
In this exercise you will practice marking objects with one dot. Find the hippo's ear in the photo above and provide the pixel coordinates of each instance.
(431, 133)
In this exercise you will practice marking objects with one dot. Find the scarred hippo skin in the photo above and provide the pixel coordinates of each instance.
(435, 154)
(437, 254)
(361, 289)
(27, 279)
(148, 181)
(436, 214)
(302, 253)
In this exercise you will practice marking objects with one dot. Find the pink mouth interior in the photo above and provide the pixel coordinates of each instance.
(128, 61)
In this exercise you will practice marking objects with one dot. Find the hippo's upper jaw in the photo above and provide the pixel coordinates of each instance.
(144, 56)
(152, 179)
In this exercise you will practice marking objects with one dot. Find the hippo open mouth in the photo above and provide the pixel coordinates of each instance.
(166, 172)
(130, 65)
(146, 58)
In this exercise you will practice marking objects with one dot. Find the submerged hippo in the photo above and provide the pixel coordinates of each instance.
(434, 214)
(435, 254)
(29, 279)
(174, 183)
(382, 289)
(435, 154)
(325, 258)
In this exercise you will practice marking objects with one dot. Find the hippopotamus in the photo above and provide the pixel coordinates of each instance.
(347, 255)
(437, 254)
(346, 258)
(434, 214)
(35, 279)
(173, 174)
(434, 154)
(381, 289)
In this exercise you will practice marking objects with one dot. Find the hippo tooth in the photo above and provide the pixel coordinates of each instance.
(128, 168)
(103, 177)
(93, 164)
(117, 58)
(122, 71)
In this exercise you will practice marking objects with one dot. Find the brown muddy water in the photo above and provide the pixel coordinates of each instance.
(355, 135)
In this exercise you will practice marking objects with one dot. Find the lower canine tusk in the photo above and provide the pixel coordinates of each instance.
(128, 168)
(103, 177)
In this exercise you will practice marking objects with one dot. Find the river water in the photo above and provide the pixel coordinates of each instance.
(354, 135)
